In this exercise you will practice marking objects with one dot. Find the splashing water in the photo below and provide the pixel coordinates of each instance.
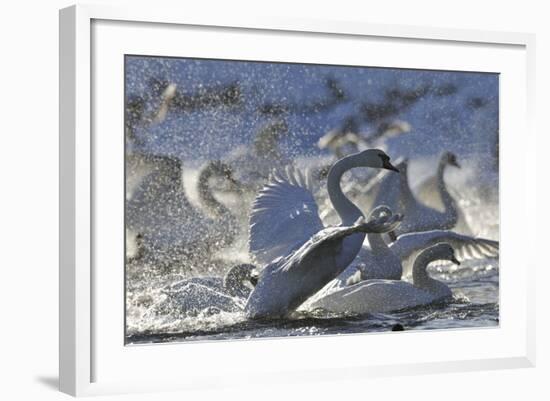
(256, 116)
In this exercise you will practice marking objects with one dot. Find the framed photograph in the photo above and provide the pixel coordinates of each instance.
(292, 199)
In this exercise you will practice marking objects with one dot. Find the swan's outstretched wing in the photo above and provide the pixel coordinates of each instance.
(466, 247)
(284, 216)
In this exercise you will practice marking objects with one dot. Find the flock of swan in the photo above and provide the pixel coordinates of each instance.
(305, 260)
(360, 265)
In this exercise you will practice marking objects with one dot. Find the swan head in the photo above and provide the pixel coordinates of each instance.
(374, 158)
(450, 158)
(380, 211)
(384, 222)
(444, 251)
(384, 211)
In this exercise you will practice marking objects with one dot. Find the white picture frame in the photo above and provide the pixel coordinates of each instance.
(91, 360)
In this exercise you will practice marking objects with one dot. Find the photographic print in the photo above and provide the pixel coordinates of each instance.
(271, 199)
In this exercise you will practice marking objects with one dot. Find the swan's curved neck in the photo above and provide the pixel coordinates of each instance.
(448, 201)
(421, 278)
(346, 209)
(420, 275)
(205, 193)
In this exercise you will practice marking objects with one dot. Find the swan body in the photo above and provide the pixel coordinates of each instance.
(379, 296)
(224, 294)
(287, 235)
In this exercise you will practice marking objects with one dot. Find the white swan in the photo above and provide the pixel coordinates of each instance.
(213, 293)
(287, 233)
(379, 296)
(418, 216)
(393, 260)
(430, 190)
(158, 211)
(221, 213)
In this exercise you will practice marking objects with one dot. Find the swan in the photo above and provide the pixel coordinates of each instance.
(430, 190)
(301, 254)
(159, 212)
(418, 216)
(213, 293)
(376, 260)
(221, 213)
(379, 296)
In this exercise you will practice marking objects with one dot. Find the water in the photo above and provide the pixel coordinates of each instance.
(475, 304)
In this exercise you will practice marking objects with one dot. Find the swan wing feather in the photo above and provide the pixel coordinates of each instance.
(329, 239)
(466, 247)
(284, 215)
